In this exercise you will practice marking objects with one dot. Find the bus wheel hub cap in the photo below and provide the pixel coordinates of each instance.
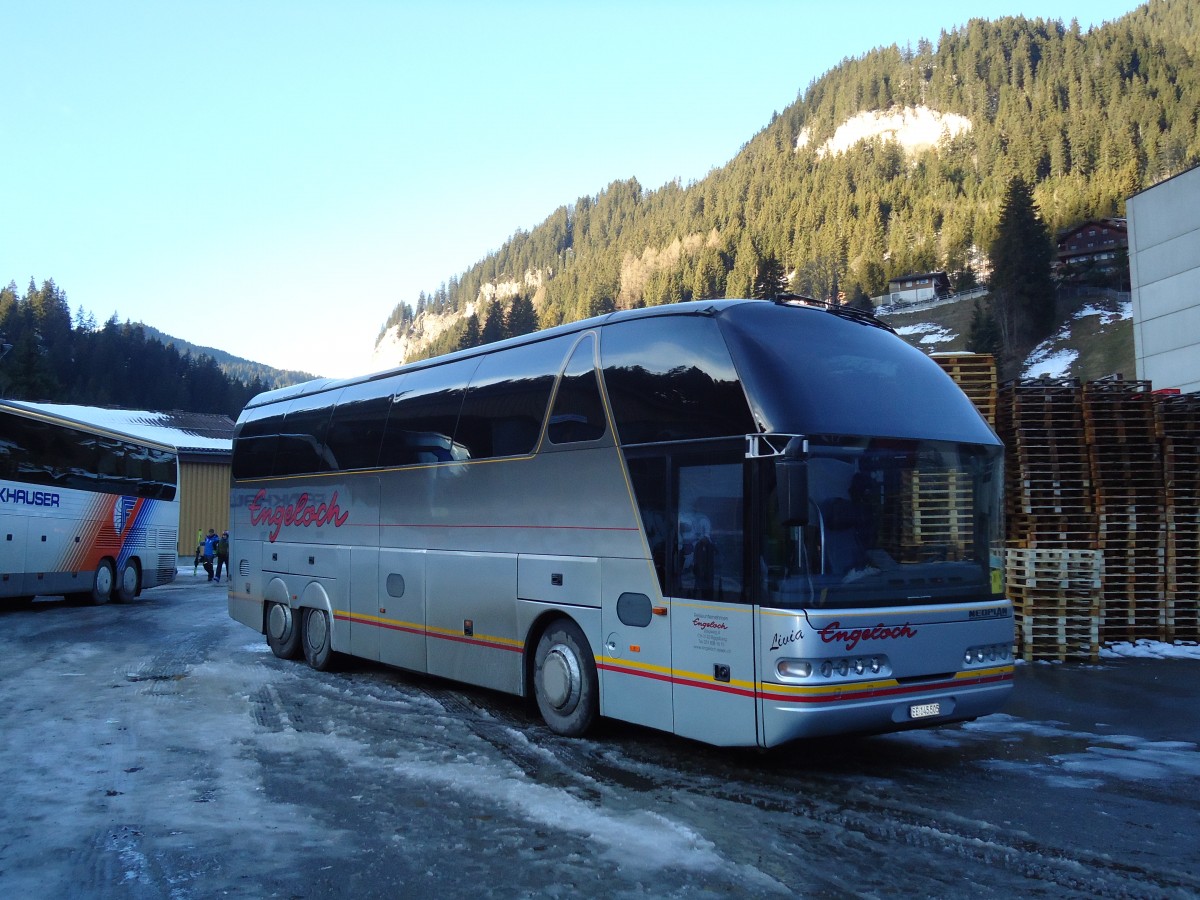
(280, 621)
(561, 681)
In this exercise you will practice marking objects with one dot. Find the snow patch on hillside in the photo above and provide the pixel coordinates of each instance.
(930, 334)
(915, 128)
(1052, 358)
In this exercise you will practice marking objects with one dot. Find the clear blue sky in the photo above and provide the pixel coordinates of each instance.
(271, 178)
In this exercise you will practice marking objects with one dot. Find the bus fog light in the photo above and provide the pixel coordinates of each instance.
(794, 668)
(989, 653)
(859, 667)
(827, 669)
(875, 665)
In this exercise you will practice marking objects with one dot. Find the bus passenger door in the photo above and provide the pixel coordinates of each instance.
(702, 567)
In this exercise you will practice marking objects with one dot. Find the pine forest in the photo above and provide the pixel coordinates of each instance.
(1082, 119)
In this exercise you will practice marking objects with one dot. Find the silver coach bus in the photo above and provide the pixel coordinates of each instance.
(744, 522)
(84, 510)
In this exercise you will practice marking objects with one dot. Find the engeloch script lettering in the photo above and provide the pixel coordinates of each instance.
(833, 634)
(303, 513)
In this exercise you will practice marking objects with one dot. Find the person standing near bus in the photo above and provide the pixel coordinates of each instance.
(199, 550)
(210, 550)
(223, 556)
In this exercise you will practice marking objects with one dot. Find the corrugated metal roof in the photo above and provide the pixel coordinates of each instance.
(182, 430)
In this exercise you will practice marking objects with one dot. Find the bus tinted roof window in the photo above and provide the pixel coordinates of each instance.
(506, 403)
(672, 379)
(28, 451)
(420, 426)
(255, 441)
(301, 445)
(809, 372)
(60, 456)
(356, 429)
(578, 413)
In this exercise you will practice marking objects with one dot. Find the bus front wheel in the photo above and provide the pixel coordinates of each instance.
(317, 637)
(102, 582)
(564, 679)
(127, 584)
(283, 632)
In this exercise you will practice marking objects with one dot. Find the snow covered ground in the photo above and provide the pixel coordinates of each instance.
(1151, 650)
(158, 749)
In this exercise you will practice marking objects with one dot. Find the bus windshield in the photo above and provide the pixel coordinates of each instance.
(889, 523)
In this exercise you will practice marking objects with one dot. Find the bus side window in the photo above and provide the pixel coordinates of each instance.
(672, 379)
(356, 429)
(424, 413)
(506, 402)
(254, 443)
(710, 513)
(648, 475)
(301, 446)
(578, 413)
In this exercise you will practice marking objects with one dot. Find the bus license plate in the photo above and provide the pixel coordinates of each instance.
(924, 710)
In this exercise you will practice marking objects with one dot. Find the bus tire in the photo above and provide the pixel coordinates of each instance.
(564, 679)
(317, 637)
(127, 584)
(283, 631)
(102, 583)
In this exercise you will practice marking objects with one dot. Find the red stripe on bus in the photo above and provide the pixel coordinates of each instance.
(460, 639)
(346, 617)
(674, 679)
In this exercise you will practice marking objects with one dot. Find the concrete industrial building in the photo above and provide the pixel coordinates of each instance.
(1164, 271)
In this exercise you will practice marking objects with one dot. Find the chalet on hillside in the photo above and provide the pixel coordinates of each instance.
(918, 287)
(1093, 246)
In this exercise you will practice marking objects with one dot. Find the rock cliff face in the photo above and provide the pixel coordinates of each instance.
(916, 129)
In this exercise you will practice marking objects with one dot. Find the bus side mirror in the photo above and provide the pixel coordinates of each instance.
(791, 484)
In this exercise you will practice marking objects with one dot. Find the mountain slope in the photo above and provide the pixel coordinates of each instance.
(833, 196)
(244, 370)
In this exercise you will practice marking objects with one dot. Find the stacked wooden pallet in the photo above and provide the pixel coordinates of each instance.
(937, 516)
(1128, 484)
(975, 373)
(1051, 562)
(1047, 473)
(1056, 602)
(1178, 429)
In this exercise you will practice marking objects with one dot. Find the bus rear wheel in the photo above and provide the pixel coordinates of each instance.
(564, 679)
(283, 631)
(102, 582)
(127, 584)
(317, 637)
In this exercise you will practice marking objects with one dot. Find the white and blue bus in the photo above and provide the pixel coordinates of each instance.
(83, 509)
(743, 522)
